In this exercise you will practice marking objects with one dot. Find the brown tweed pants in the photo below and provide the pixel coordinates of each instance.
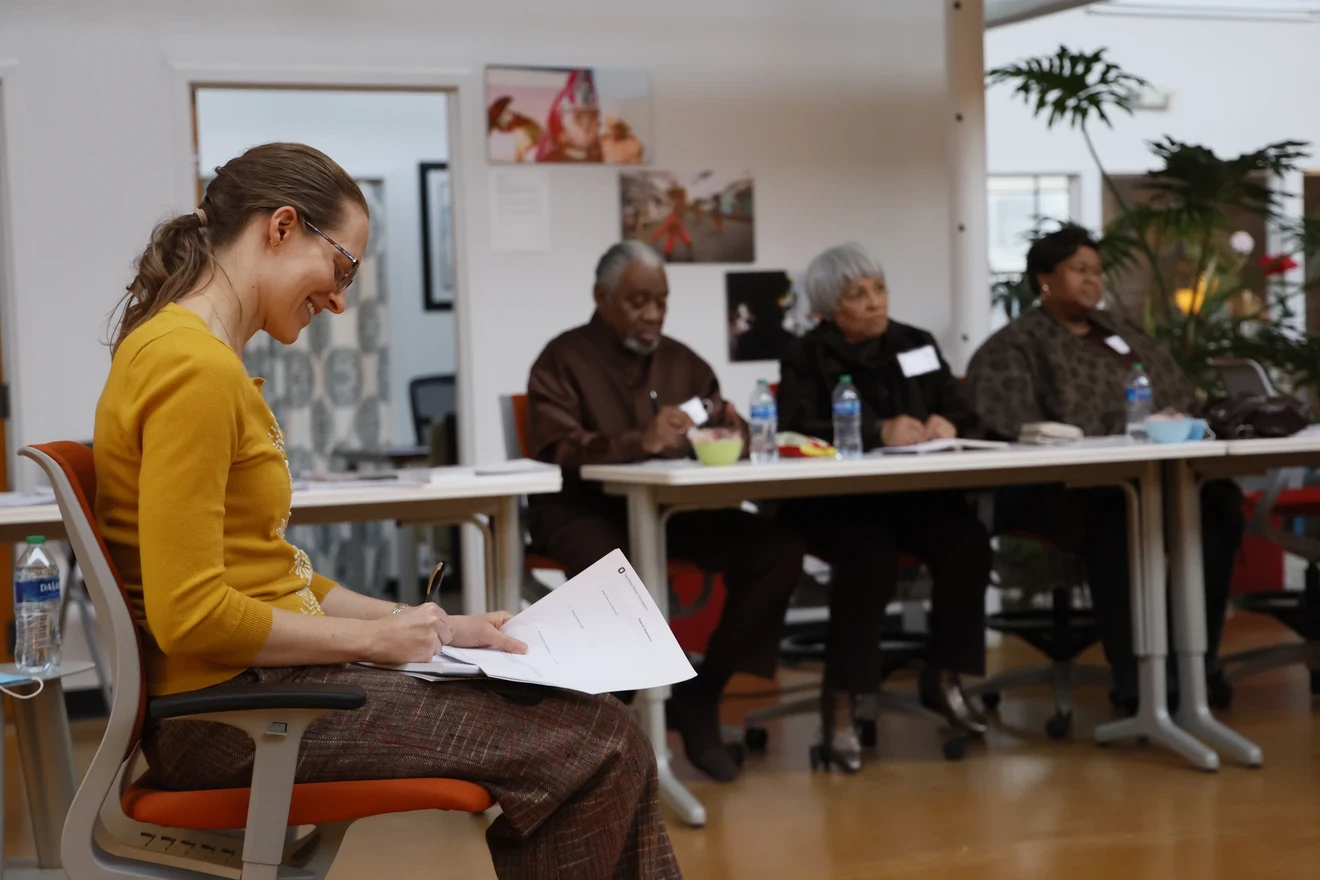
(574, 775)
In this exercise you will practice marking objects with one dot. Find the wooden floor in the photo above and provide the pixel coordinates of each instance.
(1021, 806)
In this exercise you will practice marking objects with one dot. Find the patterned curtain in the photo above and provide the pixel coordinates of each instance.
(330, 391)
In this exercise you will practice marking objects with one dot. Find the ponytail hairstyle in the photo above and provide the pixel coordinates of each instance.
(261, 181)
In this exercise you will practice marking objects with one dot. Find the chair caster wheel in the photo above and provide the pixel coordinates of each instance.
(990, 700)
(866, 732)
(1059, 725)
(756, 738)
(955, 749)
(1221, 692)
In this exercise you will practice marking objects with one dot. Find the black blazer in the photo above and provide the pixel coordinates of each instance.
(811, 367)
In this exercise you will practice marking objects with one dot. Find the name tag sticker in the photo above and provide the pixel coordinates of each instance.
(695, 410)
(919, 361)
(1118, 344)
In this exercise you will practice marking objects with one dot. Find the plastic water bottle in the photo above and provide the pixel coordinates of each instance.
(1137, 399)
(763, 424)
(847, 420)
(37, 610)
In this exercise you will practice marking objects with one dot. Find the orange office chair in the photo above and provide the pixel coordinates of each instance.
(119, 827)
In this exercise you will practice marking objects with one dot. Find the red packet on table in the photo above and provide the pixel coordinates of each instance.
(794, 445)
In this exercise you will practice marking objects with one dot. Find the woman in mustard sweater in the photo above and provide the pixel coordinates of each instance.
(193, 500)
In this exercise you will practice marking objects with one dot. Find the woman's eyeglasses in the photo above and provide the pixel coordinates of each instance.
(344, 279)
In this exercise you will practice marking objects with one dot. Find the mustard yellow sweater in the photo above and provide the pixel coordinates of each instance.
(193, 494)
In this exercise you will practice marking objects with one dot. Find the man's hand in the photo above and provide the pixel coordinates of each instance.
(940, 428)
(902, 431)
(668, 430)
(483, 631)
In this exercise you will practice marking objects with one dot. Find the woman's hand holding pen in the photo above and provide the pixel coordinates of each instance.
(414, 635)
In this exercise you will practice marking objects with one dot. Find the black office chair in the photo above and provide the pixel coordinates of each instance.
(1286, 496)
(432, 398)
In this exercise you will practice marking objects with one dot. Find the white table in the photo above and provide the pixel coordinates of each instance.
(656, 489)
(456, 496)
(45, 753)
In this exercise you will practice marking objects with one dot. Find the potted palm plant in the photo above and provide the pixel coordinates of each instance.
(1183, 265)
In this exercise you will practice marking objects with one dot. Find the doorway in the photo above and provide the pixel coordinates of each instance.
(343, 393)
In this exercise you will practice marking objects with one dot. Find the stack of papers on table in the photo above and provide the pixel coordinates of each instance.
(949, 445)
(598, 633)
(516, 466)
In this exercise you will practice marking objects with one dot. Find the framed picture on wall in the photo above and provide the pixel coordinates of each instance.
(568, 114)
(437, 237)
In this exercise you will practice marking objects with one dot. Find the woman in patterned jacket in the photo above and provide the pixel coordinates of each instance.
(1067, 360)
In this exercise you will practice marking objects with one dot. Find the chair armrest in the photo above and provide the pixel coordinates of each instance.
(258, 697)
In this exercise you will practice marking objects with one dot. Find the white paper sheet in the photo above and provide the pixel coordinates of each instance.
(519, 209)
(438, 667)
(919, 361)
(599, 632)
(27, 499)
(950, 445)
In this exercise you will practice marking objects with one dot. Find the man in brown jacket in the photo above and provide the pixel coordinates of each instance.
(610, 392)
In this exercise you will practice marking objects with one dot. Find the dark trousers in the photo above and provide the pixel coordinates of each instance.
(860, 537)
(760, 559)
(1092, 523)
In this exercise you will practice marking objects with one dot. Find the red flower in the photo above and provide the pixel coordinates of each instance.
(1276, 264)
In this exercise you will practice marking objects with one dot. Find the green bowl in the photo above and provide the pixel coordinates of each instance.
(720, 452)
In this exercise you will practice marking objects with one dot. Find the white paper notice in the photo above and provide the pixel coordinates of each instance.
(695, 410)
(1118, 344)
(519, 209)
(919, 361)
(599, 632)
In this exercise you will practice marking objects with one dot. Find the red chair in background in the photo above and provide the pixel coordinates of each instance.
(696, 597)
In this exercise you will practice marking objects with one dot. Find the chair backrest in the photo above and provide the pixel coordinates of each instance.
(1243, 376)
(517, 434)
(432, 398)
(71, 470)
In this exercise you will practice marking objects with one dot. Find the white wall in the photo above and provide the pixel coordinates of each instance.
(1237, 85)
(836, 106)
(377, 135)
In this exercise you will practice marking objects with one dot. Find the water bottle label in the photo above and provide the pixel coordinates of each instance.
(763, 412)
(44, 590)
(847, 407)
(1138, 394)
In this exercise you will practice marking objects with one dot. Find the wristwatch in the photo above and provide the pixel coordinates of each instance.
(399, 608)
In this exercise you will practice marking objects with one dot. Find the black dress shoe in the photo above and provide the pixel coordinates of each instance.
(698, 723)
(941, 691)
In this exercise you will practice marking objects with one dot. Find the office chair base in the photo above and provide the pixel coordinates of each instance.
(1248, 663)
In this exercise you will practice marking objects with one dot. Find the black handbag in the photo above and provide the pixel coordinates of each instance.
(1246, 416)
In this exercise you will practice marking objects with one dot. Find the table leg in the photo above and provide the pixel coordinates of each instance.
(409, 591)
(46, 751)
(509, 554)
(1150, 628)
(646, 541)
(1189, 624)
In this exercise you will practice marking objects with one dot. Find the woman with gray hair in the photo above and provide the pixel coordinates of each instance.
(908, 395)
